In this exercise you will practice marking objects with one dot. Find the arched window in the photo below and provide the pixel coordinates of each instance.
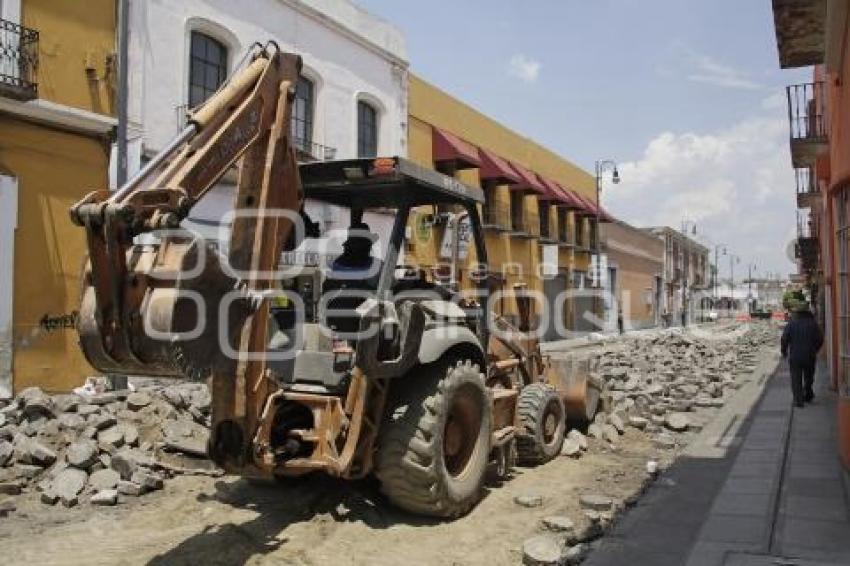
(302, 113)
(367, 130)
(207, 67)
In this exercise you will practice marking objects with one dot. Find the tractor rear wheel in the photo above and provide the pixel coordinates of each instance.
(542, 427)
(435, 443)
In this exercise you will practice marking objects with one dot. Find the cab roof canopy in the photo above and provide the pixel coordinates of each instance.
(385, 182)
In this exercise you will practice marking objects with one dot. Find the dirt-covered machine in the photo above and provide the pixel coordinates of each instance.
(390, 374)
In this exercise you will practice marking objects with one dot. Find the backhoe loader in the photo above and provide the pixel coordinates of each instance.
(390, 374)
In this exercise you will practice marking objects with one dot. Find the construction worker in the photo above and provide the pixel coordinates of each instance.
(801, 340)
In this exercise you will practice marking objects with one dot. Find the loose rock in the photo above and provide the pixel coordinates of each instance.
(104, 479)
(596, 502)
(138, 400)
(82, 454)
(529, 500)
(677, 422)
(558, 523)
(105, 497)
(68, 485)
(541, 550)
(571, 448)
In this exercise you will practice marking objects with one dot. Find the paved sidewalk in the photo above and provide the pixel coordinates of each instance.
(771, 492)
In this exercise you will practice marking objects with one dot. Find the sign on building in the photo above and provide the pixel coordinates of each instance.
(458, 224)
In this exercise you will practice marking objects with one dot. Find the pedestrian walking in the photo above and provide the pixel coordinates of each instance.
(801, 340)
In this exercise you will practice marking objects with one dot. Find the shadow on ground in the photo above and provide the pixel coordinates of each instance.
(279, 505)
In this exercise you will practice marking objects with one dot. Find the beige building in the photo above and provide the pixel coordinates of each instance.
(635, 274)
(685, 276)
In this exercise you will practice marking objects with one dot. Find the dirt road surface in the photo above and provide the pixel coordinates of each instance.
(319, 520)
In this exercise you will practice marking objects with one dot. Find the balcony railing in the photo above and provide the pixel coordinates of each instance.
(806, 226)
(310, 151)
(807, 187)
(807, 117)
(496, 216)
(18, 61)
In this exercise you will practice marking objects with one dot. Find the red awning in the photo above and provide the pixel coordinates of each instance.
(553, 192)
(448, 147)
(495, 169)
(527, 181)
(590, 208)
(570, 200)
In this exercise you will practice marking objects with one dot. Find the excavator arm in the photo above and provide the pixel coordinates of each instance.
(174, 308)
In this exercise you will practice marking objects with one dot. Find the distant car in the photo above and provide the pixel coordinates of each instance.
(713, 316)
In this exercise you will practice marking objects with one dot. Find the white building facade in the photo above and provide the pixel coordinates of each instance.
(350, 102)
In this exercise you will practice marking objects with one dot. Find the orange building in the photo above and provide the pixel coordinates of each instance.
(817, 32)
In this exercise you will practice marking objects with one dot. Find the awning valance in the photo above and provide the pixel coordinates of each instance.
(553, 193)
(527, 181)
(495, 169)
(568, 199)
(448, 148)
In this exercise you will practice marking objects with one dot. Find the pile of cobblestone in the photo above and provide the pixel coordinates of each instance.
(655, 384)
(102, 448)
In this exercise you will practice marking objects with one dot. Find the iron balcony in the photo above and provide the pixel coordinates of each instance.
(18, 61)
(807, 118)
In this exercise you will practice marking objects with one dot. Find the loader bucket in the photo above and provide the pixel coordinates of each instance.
(581, 393)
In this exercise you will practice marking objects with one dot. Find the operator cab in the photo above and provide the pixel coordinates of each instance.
(366, 269)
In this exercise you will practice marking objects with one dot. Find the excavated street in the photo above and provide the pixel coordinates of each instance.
(119, 480)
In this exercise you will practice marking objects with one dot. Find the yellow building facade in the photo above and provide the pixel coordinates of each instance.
(518, 224)
(57, 108)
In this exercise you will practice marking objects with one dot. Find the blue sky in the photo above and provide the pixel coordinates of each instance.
(687, 95)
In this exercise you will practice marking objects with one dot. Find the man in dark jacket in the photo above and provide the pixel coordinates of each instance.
(801, 341)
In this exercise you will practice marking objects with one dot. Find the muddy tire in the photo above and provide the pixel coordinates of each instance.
(542, 424)
(434, 445)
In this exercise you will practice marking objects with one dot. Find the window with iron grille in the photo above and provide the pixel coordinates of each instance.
(302, 113)
(207, 67)
(367, 130)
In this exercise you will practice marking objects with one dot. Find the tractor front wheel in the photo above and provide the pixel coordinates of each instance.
(542, 424)
(435, 443)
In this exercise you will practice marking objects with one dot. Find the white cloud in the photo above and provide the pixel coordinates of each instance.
(775, 101)
(737, 184)
(524, 68)
(710, 71)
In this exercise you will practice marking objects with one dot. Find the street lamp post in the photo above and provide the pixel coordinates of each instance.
(602, 165)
